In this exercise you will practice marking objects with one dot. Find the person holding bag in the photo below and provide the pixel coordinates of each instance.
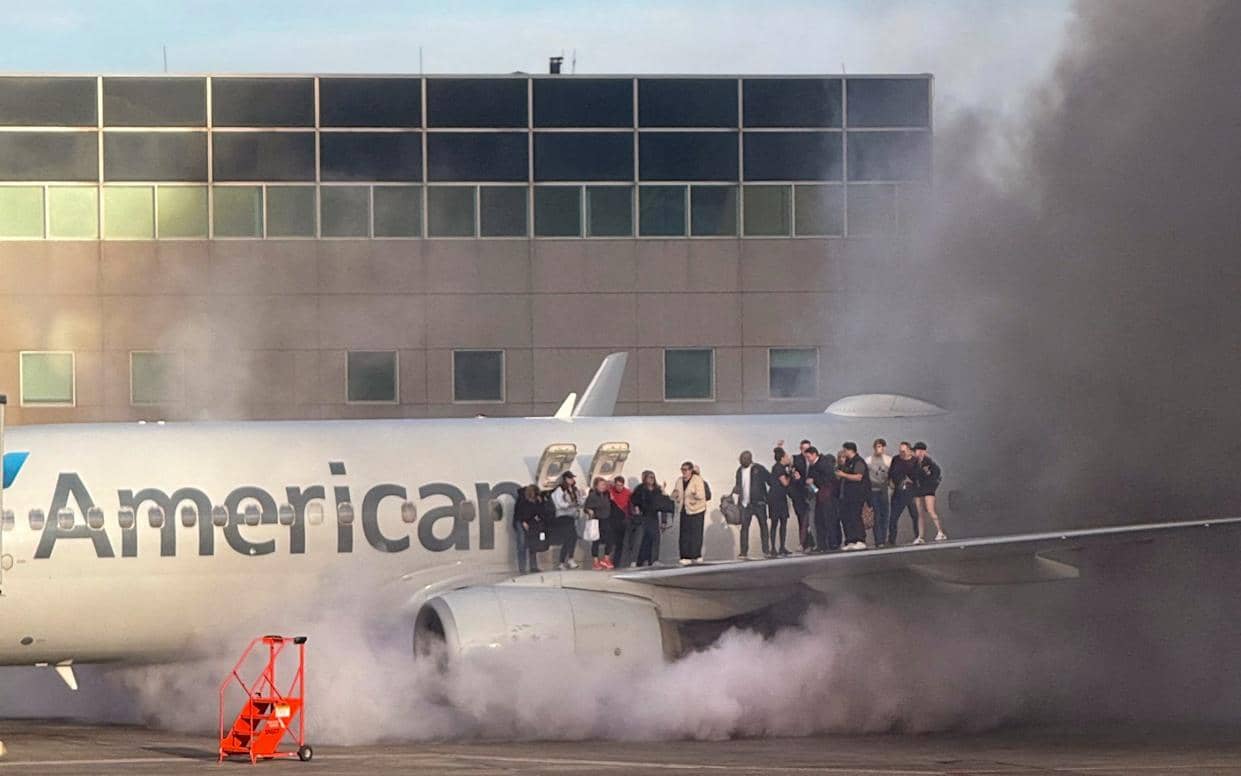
(529, 529)
(568, 503)
(689, 494)
(596, 523)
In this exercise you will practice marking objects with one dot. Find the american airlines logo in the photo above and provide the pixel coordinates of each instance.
(261, 507)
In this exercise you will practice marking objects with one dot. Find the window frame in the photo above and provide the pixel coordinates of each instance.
(396, 379)
(503, 376)
(664, 382)
(817, 362)
(73, 378)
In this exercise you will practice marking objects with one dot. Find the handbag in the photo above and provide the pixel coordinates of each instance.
(731, 510)
(588, 528)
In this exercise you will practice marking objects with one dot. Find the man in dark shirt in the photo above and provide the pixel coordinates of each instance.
(901, 475)
(820, 476)
(801, 496)
(854, 490)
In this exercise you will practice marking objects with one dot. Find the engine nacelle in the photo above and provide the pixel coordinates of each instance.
(558, 620)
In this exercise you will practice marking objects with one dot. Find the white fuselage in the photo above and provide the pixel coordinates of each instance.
(152, 593)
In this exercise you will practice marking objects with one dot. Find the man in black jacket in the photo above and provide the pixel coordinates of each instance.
(854, 490)
(820, 478)
(802, 498)
(750, 488)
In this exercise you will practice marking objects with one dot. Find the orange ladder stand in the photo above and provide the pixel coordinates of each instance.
(268, 715)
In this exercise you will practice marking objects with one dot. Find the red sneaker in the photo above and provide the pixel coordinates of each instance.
(607, 564)
(597, 565)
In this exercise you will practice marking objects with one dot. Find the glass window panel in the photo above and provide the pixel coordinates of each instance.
(291, 211)
(584, 156)
(238, 211)
(264, 156)
(791, 102)
(768, 211)
(661, 211)
(713, 211)
(152, 378)
(689, 374)
(182, 211)
(21, 211)
(370, 156)
(889, 102)
(793, 156)
(583, 102)
(345, 211)
(155, 156)
(478, 375)
(262, 102)
(468, 156)
(889, 156)
(370, 102)
(793, 373)
(688, 156)
(476, 102)
(47, 378)
(49, 156)
(872, 210)
(398, 211)
(609, 211)
(558, 211)
(371, 376)
(820, 211)
(47, 102)
(73, 212)
(129, 212)
(687, 102)
(502, 211)
(154, 102)
(450, 211)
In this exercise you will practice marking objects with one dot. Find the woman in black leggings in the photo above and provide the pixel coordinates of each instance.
(778, 501)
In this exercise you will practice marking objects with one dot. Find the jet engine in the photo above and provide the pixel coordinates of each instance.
(558, 621)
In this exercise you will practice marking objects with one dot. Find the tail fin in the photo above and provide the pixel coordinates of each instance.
(599, 398)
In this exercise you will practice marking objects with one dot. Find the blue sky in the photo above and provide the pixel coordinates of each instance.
(982, 51)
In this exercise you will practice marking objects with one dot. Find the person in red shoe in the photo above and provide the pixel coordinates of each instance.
(599, 507)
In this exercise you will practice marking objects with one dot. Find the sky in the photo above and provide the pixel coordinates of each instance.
(984, 53)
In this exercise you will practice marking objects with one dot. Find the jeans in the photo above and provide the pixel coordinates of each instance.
(566, 528)
(902, 500)
(691, 536)
(879, 502)
(632, 543)
(826, 524)
(779, 516)
(649, 553)
(851, 519)
(755, 509)
(520, 544)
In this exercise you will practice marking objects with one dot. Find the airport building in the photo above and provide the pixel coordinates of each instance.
(402, 246)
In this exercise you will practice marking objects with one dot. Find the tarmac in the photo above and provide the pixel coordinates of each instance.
(57, 748)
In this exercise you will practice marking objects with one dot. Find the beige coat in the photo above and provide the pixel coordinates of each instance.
(691, 500)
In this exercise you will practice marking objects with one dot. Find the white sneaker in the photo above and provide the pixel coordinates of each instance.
(698, 561)
(685, 561)
(941, 537)
(918, 540)
(562, 566)
(854, 547)
(573, 564)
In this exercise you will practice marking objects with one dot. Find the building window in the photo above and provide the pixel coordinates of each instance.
(154, 102)
(152, 378)
(48, 156)
(73, 212)
(889, 156)
(661, 211)
(370, 156)
(477, 156)
(558, 211)
(370, 102)
(450, 211)
(478, 375)
(713, 211)
(502, 211)
(371, 376)
(687, 156)
(21, 212)
(37, 101)
(791, 102)
(476, 102)
(345, 211)
(398, 211)
(793, 156)
(238, 211)
(689, 374)
(129, 212)
(47, 378)
(609, 211)
(687, 102)
(768, 211)
(792, 373)
(291, 211)
(182, 211)
(889, 102)
(872, 210)
(583, 156)
(263, 156)
(263, 102)
(820, 211)
(154, 156)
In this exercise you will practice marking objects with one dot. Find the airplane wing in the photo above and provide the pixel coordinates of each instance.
(997, 560)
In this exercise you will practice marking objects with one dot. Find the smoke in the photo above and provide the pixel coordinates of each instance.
(1073, 277)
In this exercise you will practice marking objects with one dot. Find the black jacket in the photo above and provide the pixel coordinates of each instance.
(648, 503)
(759, 477)
(824, 475)
(927, 473)
(527, 513)
(802, 466)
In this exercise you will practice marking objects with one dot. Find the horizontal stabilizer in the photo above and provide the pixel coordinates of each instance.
(599, 399)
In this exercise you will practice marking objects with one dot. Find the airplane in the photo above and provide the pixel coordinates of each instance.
(151, 542)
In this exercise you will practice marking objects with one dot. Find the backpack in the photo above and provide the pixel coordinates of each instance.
(706, 486)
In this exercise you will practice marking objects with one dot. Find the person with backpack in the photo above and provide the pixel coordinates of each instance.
(528, 527)
(692, 497)
(854, 491)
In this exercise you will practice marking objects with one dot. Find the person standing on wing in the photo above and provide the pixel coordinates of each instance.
(901, 475)
(878, 465)
(689, 494)
(568, 502)
(927, 477)
(854, 490)
(750, 488)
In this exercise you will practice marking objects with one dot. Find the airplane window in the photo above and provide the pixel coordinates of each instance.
(94, 518)
(314, 514)
(252, 515)
(156, 517)
(125, 518)
(36, 519)
(344, 513)
(286, 514)
(8, 520)
(64, 518)
(189, 516)
(409, 512)
(219, 516)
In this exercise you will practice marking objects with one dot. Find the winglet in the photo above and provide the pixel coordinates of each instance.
(64, 669)
(599, 399)
(566, 408)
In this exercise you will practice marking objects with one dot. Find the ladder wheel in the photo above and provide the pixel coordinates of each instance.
(304, 753)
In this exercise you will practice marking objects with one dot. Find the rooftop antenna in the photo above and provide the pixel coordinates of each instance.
(420, 60)
(165, 58)
(573, 63)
